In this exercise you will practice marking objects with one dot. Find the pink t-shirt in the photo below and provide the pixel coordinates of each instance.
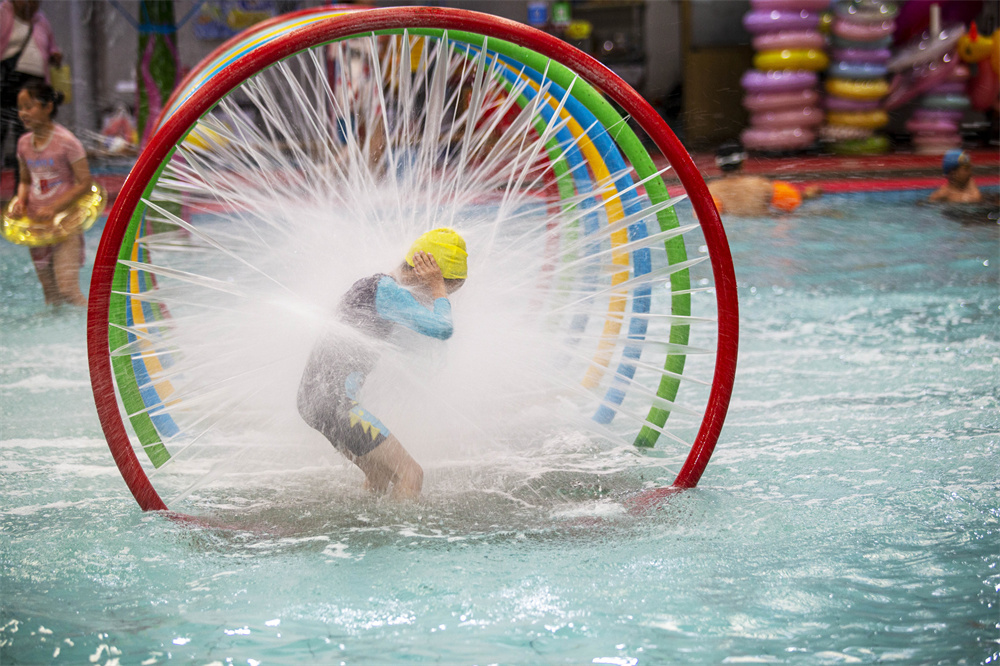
(51, 167)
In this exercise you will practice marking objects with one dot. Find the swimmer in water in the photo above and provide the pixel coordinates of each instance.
(415, 295)
(743, 195)
(960, 188)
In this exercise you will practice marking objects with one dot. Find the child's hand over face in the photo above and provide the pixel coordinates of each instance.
(429, 274)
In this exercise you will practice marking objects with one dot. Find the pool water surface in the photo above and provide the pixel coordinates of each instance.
(851, 513)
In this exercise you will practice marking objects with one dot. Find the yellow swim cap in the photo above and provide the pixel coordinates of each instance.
(447, 248)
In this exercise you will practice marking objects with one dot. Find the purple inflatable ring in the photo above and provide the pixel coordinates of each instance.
(878, 56)
(851, 105)
(938, 114)
(757, 22)
(756, 81)
(790, 5)
(947, 88)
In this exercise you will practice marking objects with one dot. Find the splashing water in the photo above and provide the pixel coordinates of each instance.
(320, 170)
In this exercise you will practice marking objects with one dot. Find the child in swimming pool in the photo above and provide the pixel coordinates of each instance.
(415, 295)
(53, 175)
(744, 195)
(960, 188)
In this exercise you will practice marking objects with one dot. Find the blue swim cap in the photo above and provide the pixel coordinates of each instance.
(953, 159)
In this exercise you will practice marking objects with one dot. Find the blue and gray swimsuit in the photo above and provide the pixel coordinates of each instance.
(337, 367)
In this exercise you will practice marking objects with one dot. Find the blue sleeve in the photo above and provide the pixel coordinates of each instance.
(398, 305)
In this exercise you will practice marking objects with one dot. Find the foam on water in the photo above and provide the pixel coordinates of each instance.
(849, 515)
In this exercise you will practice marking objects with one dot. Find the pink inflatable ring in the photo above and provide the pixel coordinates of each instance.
(756, 81)
(854, 54)
(916, 81)
(930, 126)
(928, 48)
(759, 102)
(777, 139)
(789, 39)
(809, 116)
(862, 32)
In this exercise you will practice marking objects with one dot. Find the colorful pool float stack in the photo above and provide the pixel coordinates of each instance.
(856, 84)
(781, 91)
(929, 70)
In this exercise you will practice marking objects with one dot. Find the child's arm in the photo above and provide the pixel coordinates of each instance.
(23, 189)
(398, 305)
(940, 194)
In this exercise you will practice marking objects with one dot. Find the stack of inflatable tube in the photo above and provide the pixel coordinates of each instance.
(781, 90)
(929, 70)
(856, 80)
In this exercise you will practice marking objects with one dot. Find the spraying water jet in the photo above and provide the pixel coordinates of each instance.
(325, 141)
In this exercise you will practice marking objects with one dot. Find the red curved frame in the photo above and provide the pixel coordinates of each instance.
(201, 100)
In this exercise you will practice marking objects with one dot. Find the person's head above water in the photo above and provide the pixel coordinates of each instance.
(957, 166)
(729, 157)
(448, 249)
(954, 159)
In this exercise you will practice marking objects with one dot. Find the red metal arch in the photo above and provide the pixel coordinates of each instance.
(201, 100)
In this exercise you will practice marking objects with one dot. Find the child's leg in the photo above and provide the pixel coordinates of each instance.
(41, 257)
(67, 258)
(390, 463)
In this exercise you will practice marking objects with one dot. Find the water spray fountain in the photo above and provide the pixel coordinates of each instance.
(309, 152)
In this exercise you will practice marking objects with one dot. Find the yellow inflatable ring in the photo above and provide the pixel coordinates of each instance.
(860, 119)
(854, 89)
(813, 60)
(75, 220)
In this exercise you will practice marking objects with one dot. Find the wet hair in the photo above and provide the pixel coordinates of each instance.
(729, 157)
(44, 93)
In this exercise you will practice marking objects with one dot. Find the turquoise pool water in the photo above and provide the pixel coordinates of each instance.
(849, 515)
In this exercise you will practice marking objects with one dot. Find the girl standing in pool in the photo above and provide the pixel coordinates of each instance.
(415, 295)
(53, 174)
